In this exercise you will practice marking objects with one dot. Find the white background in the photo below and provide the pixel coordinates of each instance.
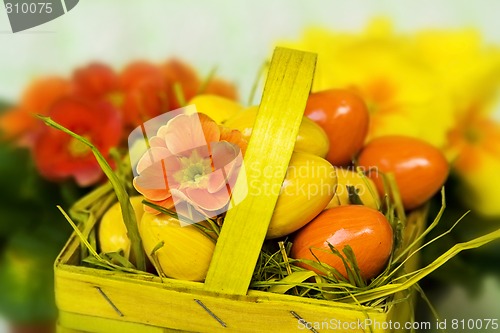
(237, 36)
(234, 35)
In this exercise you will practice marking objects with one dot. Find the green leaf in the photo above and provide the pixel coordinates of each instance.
(354, 198)
(113, 257)
(127, 211)
(118, 258)
(353, 265)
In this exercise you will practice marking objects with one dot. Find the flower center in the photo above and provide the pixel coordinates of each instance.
(472, 135)
(116, 99)
(77, 148)
(194, 171)
(379, 94)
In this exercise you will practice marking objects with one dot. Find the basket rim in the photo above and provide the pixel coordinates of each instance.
(62, 267)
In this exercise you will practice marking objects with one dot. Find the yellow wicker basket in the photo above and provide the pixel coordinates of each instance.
(93, 300)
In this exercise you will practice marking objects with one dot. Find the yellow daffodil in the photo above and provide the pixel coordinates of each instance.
(471, 74)
(469, 70)
(403, 94)
(438, 85)
(474, 148)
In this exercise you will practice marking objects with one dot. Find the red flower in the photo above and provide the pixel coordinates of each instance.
(221, 88)
(19, 123)
(143, 89)
(59, 156)
(96, 102)
(177, 72)
(95, 81)
(149, 90)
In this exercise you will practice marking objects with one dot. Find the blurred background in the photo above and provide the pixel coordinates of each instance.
(441, 58)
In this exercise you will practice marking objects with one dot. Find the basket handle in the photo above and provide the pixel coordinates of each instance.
(266, 160)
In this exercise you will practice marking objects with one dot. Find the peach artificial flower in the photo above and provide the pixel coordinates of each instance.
(192, 163)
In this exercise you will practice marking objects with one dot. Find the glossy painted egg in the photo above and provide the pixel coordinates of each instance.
(310, 139)
(307, 189)
(187, 251)
(364, 229)
(216, 107)
(344, 117)
(365, 189)
(419, 168)
(112, 232)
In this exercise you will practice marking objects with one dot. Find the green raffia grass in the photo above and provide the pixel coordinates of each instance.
(155, 262)
(104, 260)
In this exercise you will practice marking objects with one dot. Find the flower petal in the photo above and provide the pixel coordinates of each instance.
(176, 72)
(216, 181)
(210, 129)
(179, 196)
(16, 123)
(221, 88)
(188, 214)
(233, 136)
(186, 132)
(152, 182)
(152, 156)
(88, 176)
(233, 170)
(167, 203)
(208, 201)
(223, 153)
(227, 160)
(162, 131)
(59, 156)
(94, 81)
(156, 141)
(183, 133)
(186, 207)
(43, 93)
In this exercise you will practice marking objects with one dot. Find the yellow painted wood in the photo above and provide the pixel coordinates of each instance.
(62, 329)
(151, 304)
(73, 321)
(66, 267)
(90, 274)
(268, 154)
